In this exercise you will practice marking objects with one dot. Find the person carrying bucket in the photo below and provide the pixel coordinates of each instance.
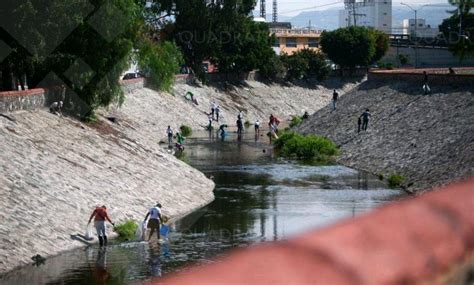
(100, 217)
(155, 220)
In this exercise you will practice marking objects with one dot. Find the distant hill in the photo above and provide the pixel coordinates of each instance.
(329, 19)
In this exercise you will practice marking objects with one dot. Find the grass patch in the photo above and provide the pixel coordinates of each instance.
(181, 155)
(308, 148)
(247, 124)
(296, 121)
(395, 180)
(186, 131)
(126, 231)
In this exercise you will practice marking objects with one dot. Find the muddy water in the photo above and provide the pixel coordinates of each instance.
(259, 198)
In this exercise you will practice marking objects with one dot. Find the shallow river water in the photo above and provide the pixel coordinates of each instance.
(259, 198)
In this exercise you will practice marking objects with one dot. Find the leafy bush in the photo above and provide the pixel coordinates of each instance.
(186, 131)
(126, 231)
(306, 64)
(395, 180)
(296, 121)
(160, 62)
(273, 69)
(354, 46)
(309, 147)
(247, 124)
(403, 59)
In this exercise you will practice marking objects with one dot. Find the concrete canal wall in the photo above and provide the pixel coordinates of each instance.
(429, 140)
(55, 170)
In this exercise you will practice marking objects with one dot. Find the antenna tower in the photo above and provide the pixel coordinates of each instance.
(275, 11)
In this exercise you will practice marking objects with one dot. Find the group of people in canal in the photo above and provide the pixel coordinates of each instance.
(153, 221)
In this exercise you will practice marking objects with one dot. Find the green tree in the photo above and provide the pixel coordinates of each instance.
(306, 64)
(220, 31)
(86, 43)
(382, 43)
(349, 47)
(160, 62)
(459, 29)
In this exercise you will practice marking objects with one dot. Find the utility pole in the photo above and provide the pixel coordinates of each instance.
(416, 32)
(354, 13)
(275, 11)
(263, 9)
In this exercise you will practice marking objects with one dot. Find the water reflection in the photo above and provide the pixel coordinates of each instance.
(258, 198)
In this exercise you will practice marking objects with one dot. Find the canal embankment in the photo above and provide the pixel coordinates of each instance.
(55, 170)
(426, 139)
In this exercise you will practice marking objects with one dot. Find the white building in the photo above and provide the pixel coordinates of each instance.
(422, 29)
(367, 13)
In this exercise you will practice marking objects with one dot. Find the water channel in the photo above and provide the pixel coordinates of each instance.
(259, 198)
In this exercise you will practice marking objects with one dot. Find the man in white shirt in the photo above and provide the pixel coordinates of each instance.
(155, 220)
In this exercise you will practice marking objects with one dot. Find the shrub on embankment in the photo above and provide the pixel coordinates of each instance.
(186, 131)
(126, 230)
(308, 148)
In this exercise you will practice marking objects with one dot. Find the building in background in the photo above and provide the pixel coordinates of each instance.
(367, 13)
(422, 30)
(290, 40)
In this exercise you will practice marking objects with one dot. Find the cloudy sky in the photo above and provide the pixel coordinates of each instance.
(294, 7)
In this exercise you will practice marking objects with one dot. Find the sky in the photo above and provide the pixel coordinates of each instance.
(292, 8)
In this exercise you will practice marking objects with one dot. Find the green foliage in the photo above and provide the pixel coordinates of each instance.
(462, 46)
(295, 121)
(247, 124)
(126, 231)
(403, 59)
(186, 131)
(352, 46)
(89, 58)
(221, 31)
(273, 69)
(382, 43)
(160, 62)
(385, 65)
(181, 155)
(309, 147)
(306, 64)
(395, 180)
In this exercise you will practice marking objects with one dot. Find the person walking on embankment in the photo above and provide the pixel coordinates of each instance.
(335, 96)
(365, 119)
(100, 216)
(169, 132)
(155, 220)
(426, 87)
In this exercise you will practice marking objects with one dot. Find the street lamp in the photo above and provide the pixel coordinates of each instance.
(416, 35)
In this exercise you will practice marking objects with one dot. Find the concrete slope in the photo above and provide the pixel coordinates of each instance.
(55, 170)
(256, 100)
(427, 139)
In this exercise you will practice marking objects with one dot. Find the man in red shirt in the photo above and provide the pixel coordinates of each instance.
(100, 214)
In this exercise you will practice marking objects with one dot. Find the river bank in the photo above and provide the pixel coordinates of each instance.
(429, 140)
(153, 111)
(57, 169)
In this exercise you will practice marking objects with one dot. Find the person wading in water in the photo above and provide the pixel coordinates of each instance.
(155, 220)
(100, 216)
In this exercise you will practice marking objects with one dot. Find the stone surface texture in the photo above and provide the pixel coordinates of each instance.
(55, 170)
(21, 100)
(255, 99)
(427, 139)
